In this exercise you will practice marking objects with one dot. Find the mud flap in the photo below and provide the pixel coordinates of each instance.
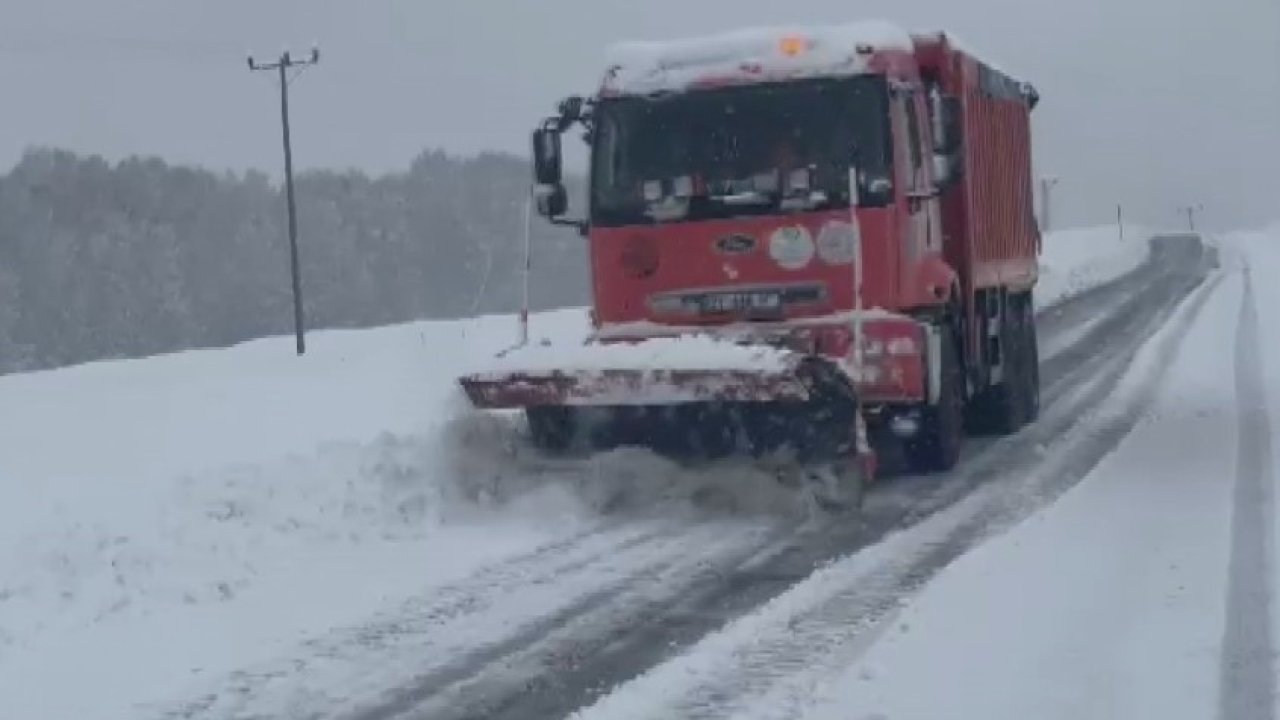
(933, 356)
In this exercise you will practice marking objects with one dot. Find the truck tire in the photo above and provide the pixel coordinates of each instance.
(1002, 409)
(937, 447)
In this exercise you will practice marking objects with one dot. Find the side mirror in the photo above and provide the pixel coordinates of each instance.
(551, 199)
(946, 112)
(953, 164)
(943, 171)
(1031, 94)
(869, 190)
(571, 109)
(546, 156)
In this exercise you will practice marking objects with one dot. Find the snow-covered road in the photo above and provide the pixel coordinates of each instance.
(692, 609)
(770, 663)
(1111, 602)
(381, 578)
(1144, 590)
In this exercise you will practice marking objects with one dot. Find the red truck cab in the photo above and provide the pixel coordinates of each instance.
(856, 193)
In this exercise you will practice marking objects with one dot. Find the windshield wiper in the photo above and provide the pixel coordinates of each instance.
(677, 208)
(748, 197)
(667, 209)
(806, 201)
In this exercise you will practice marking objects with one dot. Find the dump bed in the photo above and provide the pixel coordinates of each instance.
(991, 237)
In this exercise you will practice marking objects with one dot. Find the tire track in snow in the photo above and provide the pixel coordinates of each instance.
(1071, 370)
(486, 679)
(619, 614)
(1247, 690)
(434, 640)
(1071, 378)
(764, 665)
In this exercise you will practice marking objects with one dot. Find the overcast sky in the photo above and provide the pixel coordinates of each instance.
(1153, 103)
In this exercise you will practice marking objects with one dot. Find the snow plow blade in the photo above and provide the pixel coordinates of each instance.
(621, 387)
(687, 397)
(654, 371)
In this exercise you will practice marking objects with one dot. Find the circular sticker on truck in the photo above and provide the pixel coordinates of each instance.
(838, 243)
(791, 247)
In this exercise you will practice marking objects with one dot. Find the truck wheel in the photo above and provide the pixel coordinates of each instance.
(1002, 408)
(937, 447)
(552, 428)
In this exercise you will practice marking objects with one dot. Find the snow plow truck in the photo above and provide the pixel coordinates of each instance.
(807, 246)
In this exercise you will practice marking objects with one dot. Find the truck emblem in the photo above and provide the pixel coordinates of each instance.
(838, 242)
(791, 247)
(736, 244)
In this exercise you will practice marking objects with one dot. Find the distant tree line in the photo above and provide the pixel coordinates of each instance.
(141, 257)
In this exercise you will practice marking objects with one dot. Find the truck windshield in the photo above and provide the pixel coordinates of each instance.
(737, 151)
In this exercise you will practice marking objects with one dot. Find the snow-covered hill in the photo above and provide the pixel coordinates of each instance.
(204, 510)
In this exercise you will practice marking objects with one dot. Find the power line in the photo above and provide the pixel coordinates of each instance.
(282, 67)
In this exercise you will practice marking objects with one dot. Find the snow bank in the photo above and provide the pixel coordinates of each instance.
(209, 508)
(1260, 250)
(1077, 259)
(212, 510)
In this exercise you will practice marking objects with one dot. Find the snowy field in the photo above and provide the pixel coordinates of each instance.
(172, 519)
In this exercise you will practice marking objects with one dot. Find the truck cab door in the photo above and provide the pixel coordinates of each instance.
(918, 215)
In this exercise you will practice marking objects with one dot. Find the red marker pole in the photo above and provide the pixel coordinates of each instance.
(524, 304)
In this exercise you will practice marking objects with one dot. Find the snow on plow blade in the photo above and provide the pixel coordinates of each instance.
(629, 387)
(656, 371)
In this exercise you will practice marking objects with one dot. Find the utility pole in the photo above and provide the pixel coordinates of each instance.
(1046, 185)
(1191, 211)
(282, 66)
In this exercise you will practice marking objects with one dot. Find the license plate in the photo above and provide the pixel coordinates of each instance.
(741, 301)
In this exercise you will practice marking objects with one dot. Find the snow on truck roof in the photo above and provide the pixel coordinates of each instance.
(762, 54)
